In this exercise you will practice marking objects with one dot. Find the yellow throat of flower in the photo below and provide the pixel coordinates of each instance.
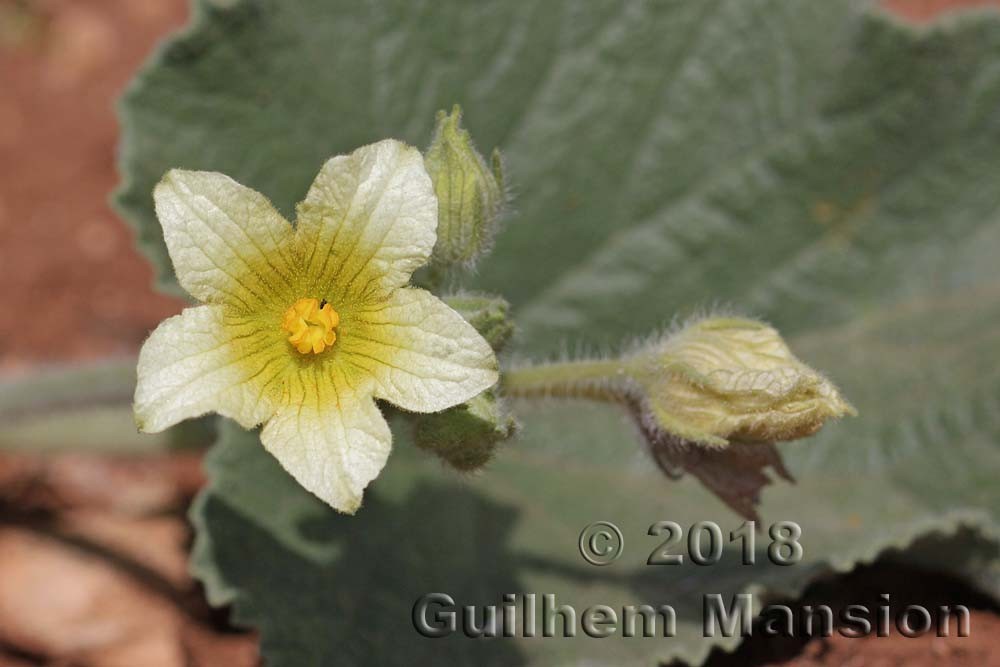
(310, 325)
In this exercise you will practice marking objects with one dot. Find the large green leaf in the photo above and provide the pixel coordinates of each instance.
(78, 407)
(818, 166)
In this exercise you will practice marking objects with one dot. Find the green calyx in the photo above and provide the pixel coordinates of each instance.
(470, 193)
(488, 313)
(466, 436)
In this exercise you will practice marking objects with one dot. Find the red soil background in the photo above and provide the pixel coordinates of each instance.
(93, 549)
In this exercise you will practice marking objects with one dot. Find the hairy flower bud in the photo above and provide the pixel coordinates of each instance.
(710, 399)
(729, 379)
(489, 314)
(466, 436)
(470, 193)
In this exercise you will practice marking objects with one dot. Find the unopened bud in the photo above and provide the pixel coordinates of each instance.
(469, 192)
(467, 435)
(489, 314)
(728, 379)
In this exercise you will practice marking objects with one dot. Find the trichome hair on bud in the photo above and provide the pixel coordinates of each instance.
(471, 193)
(466, 436)
(724, 379)
(710, 397)
(488, 313)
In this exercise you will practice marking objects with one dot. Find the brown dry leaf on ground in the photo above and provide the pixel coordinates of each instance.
(93, 550)
(61, 603)
(93, 566)
(125, 486)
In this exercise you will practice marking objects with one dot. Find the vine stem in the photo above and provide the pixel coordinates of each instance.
(600, 380)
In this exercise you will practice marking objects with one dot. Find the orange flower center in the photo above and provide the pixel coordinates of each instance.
(310, 325)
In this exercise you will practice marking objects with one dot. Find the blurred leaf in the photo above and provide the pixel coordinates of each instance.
(85, 407)
(826, 170)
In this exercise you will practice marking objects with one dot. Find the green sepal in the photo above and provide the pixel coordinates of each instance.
(488, 313)
(470, 193)
(466, 436)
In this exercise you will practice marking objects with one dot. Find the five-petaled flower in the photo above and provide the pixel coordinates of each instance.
(302, 328)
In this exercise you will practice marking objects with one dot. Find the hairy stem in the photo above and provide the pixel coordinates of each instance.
(600, 380)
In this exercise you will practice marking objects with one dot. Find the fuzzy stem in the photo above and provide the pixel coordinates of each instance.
(598, 380)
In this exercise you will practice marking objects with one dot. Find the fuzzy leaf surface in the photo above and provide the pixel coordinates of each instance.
(812, 164)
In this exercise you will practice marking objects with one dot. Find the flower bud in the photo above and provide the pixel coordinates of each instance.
(470, 193)
(466, 436)
(728, 379)
(489, 314)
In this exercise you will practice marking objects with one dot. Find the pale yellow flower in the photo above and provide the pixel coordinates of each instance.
(302, 328)
(728, 379)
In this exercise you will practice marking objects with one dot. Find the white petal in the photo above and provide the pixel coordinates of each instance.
(424, 356)
(227, 242)
(368, 222)
(205, 361)
(330, 436)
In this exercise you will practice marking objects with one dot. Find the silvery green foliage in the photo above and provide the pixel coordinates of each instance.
(820, 167)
